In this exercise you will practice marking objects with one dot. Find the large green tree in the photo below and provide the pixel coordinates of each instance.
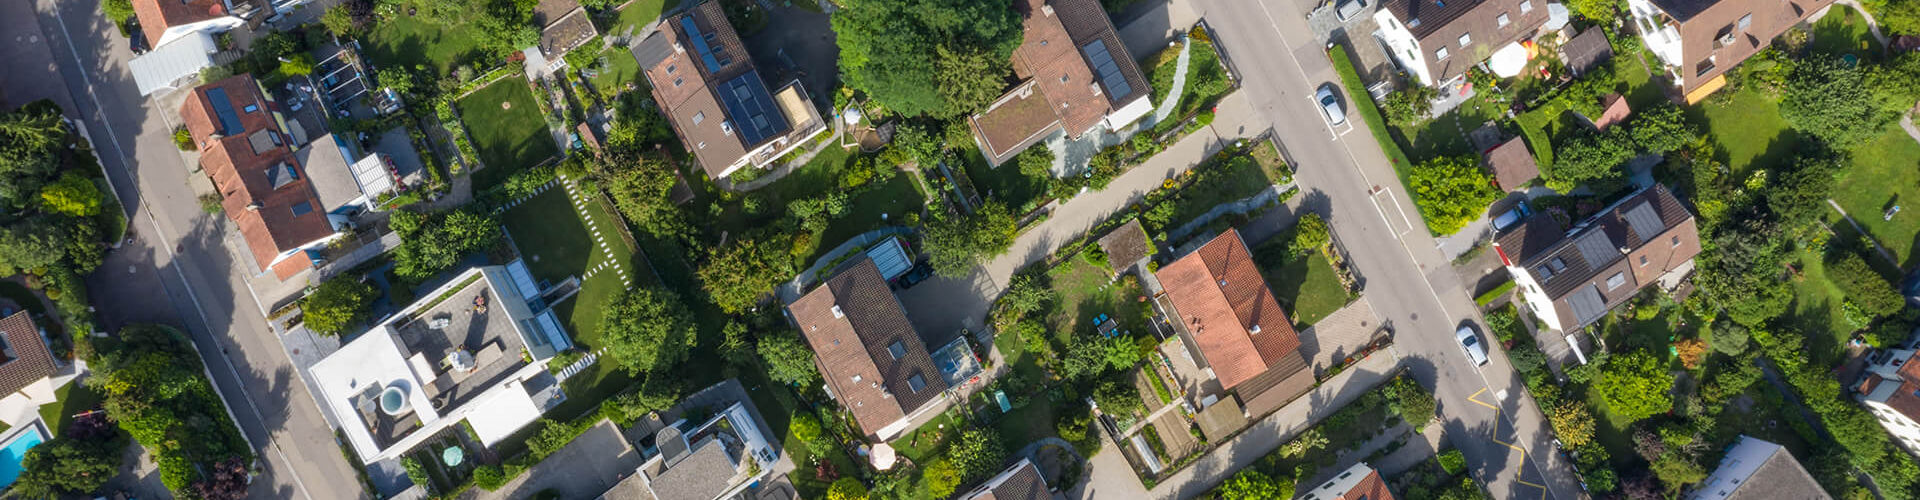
(927, 57)
(647, 330)
(1864, 286)
(67, 467)
(955, 243)
(1250, 484)
(788, 360)
(978, 454)
(1824, 99)
(431, 242)
(1661, 129)
(1635, 386)
(1592, 160)
(337, 304)
(1452, 191)
(739, 274)
(642, 191)
(30, 140)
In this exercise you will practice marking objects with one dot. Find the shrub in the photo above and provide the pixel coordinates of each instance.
(183, 139)
(1072, 425)
(489, 477)
(1310, 234)
(1410, 401)
(1451, 191)
(1492, 295)
(1453, 462)
(337, 304)
(1864, 287)
(1635, 386)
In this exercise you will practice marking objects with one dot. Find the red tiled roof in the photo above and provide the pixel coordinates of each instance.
(852, 322)
(1616, 111)
(31, 361)
(157, 15)
(242, 166)
(1222, 299)
(1370, 488)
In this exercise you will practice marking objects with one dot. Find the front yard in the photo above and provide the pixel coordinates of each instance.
(1308, 287)
(508, 129)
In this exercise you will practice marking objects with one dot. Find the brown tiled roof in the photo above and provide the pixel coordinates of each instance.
(30, 360)
(852, 321)
(1587, 51)
(244, 167)
(1440, 24)
(1370, 488)
(1702, 22)
(1609, 243)
(1512, 165)
(1020, 482)
(1051, 60)
(1222, 299)
(684, 86)
(1287, 378)
(157, 15)
(1126, 245)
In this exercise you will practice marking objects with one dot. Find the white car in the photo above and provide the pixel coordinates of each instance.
(1476, 351)
(1330, 104)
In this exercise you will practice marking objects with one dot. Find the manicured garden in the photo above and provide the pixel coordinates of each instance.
(438, 36)
(636, 14)
(508, 128)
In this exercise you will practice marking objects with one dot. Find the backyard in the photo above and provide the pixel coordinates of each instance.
(508, 129)
(636, 14)
(1086, 291)
(619, 70)
(1446, 135)
(441, 42)
(1306, 286)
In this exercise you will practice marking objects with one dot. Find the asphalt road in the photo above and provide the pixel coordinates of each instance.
(177, 267)
(1344, 175)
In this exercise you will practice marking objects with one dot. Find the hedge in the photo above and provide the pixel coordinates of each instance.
(1494, 294)
(1376, 122)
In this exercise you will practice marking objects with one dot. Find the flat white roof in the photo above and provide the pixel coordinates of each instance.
(178, 58)
(372, 361)
(372, 174)
(507, 409)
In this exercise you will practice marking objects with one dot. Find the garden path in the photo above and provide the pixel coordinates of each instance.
(1240, 206)
(1862, 230)
(784, 168)
(790, 291)
(1172, 101)
(1906, 122)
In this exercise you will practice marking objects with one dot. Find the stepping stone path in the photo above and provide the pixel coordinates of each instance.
(605, 253)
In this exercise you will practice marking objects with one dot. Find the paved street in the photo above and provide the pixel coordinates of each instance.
(178, 267)
(1410, 284)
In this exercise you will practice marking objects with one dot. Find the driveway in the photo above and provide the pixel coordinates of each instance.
(585, 468)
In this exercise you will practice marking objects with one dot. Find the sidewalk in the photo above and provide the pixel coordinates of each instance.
(1276, 429)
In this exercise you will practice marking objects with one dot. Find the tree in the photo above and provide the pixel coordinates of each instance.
(64, 467)
(647, 330)
(1899, 16)
(1864, 286)
(337, 304)
(1593, 160)
(1598, 10)
(1116, 398)
(1310, 234)
(1742, 273)
(1572, 422)
(31, 246)
(299, 64)
(1823, 99)
(118, 11)
(1312, 439)
(1025, 295)
(1451, 191)
(927, 57)
(73, 194)
(1411, 401)
(978, 454)
(641, 190)
(393, 77)
(788, 360)
(1662, 129)
(432, 242)
(1691, 352)
(739, 274)
(847, 488)
(1635, 386)
(941, 477)
(30, 138)
(1895, 85)
(1729, 338)
(339, 21)
(1250, 484)
(1800, 195)
(956, 243)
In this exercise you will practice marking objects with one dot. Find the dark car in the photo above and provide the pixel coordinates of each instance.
(919, 273)
(136, 39)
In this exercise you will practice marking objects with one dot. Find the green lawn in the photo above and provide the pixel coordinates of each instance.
(1308, 287)
(621, 68)
(637, 14)
(1884, 172)
(924, 442)
(822, 175)
(1446, 135)
(409, 41)
(510, 139)
(1242, 176)
(1844, 31)
(1086, 291)
(1748, 130)
(1006, 182)
(73, 398)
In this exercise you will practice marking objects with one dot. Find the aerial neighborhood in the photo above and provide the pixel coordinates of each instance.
(960, 249)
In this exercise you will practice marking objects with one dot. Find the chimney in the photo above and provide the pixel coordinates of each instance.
(1047, 9)
(1095, 87)
(678, 48)
(837, 313)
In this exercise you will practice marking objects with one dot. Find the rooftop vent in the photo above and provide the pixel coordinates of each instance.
(837, 313)
(1256, 329)
(1047, 9)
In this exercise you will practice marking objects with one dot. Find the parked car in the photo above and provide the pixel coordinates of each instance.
(1330, 104)
(136, 39)
(1349, 8)
(1470, 341)
(1512, 216)
(919, 273)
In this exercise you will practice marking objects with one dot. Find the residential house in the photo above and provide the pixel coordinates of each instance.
(263, 187)
(29, 374)
(874, 362)
(1890, 388)
(1437, 42)
(1512, 164)
(473, 350)
(1586, 52)
(1074, 74)
(1570, 277)
(703, 79)
(1359, 482)
(1022, 481)
(1755, 469)
(181, 36)
(1697, 41)
(564, 24)
(726, 451)
(1234, 327)
(346, 186)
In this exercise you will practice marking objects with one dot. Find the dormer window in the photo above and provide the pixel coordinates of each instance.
(897, 349)
(1558, 264)
(1503, 21)
(837, 313)
(1526, 6)
(916, 383)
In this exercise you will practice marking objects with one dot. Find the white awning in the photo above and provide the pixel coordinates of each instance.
(501, 413)
(1508, 61)
(178, 58)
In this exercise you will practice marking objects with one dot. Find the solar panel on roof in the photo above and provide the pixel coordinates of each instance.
(1108, 70)
(1597, 248)
(700, 43)
(223, 109)
(748, 103)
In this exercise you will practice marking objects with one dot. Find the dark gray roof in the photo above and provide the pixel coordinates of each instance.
(702, 475)
(1587, 304)
(1643, 221)
(652, 50)
(1584, 52)
(1597, 248)
(672, 443)
(223, 108)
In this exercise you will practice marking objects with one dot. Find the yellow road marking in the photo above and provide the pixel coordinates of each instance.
(1498, 419)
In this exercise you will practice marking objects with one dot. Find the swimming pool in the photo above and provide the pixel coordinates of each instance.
(16, 450)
